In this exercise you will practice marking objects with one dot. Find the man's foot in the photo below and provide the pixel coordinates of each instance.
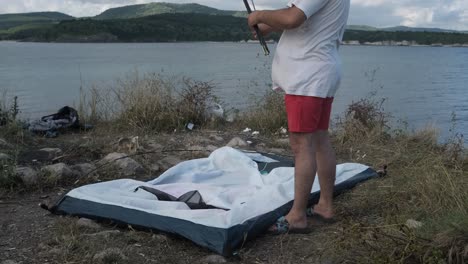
(282, 226)
(321, 213)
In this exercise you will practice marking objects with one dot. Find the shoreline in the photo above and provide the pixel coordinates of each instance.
(270, 42)
(367, 213)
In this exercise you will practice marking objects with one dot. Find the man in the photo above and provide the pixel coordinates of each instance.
(308, 68)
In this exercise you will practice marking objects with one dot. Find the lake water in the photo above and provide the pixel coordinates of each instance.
(422, 85)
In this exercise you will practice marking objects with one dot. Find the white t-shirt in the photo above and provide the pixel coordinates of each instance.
(307, 60)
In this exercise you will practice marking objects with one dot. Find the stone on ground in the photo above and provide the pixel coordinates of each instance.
(216, 137)
(237, 142)
(9, 261)
(83, 169)
(211, 148)
(4, 144)
(110, 255)
(413, 224)
(127, 166)
(28, 175)
(283, 141)
(58, 172)
(4, 157)
(169, 162)
(88, 223)
(52, 153)
(105, 234)
(213, 259)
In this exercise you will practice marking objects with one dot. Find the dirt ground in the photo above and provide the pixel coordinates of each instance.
(30, 234)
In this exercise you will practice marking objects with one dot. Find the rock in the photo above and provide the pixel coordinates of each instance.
(127, 166)
(169, 162)
(197, 148)
(104, 234)
(276, 150)
(283, 131)
(211, 148)
(51, 153)
(216, 137)
(83, 169)
(159, 237)
(88, 223)
(283, 141)
(237, 142)
(155, 146)
(413, 224)
(4, 157)
(28, 175)
(42, 155)
(202, 140)
(55, 251)
(213, 259)
(58, 172)
(4, 144)
(110, 255)
(9, 261)
(155, 168)
(202, 150)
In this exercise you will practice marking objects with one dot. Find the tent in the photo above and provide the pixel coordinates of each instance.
(218, 202)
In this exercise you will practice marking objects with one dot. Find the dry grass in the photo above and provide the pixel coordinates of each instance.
(267, 115)
(73, 243)
(427, 182)
(149, 102)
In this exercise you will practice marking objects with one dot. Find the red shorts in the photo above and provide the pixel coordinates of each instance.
(308, 114)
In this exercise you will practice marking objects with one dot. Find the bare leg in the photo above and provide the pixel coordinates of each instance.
(304, 148)
(326, 166)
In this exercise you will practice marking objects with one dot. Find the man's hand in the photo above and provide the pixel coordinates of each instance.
(279, 20)
(264, 30)
(254, 18)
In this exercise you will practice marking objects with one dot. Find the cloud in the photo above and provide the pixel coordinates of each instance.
(381, 13)
(451, 14)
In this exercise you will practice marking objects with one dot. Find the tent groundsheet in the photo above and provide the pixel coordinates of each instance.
(239, 198)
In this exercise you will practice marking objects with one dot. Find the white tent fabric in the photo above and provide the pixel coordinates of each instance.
(227, 179)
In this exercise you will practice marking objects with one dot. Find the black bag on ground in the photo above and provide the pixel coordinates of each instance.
(65, 118)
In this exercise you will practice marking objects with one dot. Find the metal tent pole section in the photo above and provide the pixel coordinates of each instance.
(266, 50)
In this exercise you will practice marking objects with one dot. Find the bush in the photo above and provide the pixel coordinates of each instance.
(8, 112)
(427, 181)
(151, 103)
(267, 115)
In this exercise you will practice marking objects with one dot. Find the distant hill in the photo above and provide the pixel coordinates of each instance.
(135, 11)
(403, 29)
(361, 27)
(34, 16)
(157, 28)
(167, 22)
(10, 23)
(412, 29)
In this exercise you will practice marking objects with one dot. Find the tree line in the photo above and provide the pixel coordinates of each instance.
(193, 27)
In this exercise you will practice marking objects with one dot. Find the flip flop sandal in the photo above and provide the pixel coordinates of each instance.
(312, 214)
(282, 227)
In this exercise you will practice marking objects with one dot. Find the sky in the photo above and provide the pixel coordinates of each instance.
(449, 14)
